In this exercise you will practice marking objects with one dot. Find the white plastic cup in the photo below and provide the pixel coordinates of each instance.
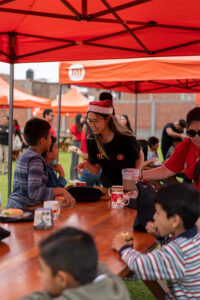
(55, 207)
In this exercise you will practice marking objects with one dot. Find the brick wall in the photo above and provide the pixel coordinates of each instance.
(168, 107)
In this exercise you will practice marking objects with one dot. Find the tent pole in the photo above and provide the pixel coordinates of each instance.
(136, 106)
(4, 110)
(10, 127)
(59, 110)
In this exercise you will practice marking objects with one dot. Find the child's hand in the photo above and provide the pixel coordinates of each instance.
(151, 228)
(58, 168)
(119, 242)
(65, 198)
(153, 159)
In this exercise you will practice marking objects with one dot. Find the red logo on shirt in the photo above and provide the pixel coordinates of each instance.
(100, 156)
(120, 157)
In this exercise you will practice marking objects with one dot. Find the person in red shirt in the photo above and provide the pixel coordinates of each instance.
(48, 116)
(76, 130)
(186, 156)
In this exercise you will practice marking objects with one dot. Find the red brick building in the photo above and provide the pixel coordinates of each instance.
(154, 110)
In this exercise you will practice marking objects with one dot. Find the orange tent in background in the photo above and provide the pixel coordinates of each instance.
(72, 103)
(21, 99)
(198, 98)
(145, 75)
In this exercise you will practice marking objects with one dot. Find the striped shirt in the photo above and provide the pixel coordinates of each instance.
(178, 262)
(30, 178)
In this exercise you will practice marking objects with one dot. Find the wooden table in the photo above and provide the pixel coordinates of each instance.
(18, 253)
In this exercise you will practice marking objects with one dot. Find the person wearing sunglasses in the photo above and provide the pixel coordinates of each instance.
(110, 147)
(186, 156)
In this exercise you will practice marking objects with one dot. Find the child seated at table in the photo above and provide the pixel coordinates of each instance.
(50, 157)
(69, 269)
(153, 147)
(30, 176)
(177, 210)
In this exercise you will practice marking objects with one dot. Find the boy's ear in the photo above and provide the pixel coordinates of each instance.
(176, 221)
(41, 140)
(65, 280)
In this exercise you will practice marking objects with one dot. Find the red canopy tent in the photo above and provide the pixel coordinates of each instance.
(56, 30)
(21, 99)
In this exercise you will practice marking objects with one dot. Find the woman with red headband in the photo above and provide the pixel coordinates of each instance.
(110, 147)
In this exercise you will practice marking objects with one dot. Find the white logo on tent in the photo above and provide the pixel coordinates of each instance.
(76, 72)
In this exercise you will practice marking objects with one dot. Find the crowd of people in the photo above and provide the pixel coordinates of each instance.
(107, 144)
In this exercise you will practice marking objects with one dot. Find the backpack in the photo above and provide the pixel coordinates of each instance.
(144, 204)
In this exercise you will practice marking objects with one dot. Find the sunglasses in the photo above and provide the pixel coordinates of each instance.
(192, 133)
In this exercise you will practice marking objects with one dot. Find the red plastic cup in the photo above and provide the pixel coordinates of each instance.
(80, 183)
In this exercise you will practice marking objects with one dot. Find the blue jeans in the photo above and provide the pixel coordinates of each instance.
(74, 161)
(90, 178)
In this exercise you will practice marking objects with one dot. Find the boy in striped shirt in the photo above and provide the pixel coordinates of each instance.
(30, 176)
(178, 262)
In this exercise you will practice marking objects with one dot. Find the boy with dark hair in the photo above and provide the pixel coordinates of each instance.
(153, 147)
(177, 210)
(50, 158)
(30, 176)
(69, 269)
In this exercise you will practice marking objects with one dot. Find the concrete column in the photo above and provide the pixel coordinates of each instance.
(153, 115)
(29, 113)
(63, 124)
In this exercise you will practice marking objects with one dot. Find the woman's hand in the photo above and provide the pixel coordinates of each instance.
(82, 166)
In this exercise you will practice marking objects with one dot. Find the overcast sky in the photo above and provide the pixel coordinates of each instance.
(48, 71)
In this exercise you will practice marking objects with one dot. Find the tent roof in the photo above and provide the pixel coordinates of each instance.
(57, 30)
(21, 99)
(71, 102)
(145, 75)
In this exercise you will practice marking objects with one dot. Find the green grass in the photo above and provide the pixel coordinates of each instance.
(137, 288)
(160, 153)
